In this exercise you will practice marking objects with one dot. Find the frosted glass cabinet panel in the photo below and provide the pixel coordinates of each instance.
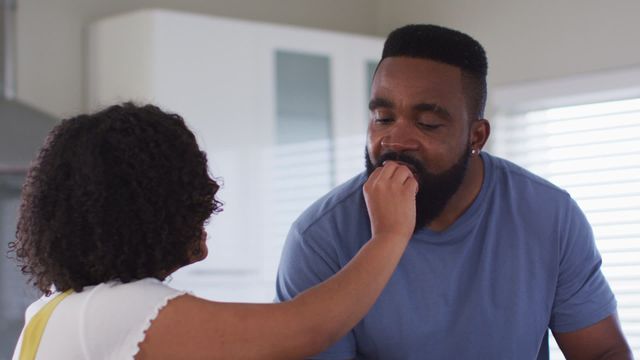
(303, 161)
(371, 70)
(278, 109)
(303, 97)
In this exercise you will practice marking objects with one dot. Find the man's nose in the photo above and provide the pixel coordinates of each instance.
(401, 138)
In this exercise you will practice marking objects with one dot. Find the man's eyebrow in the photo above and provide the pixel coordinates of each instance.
(434, 108)
(379, 103)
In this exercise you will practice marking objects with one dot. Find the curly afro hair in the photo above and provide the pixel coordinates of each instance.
(121, 194)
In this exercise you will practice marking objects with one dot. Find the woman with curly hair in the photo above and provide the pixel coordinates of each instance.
(116, 201)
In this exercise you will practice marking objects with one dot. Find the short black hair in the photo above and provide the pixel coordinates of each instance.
(121, 194)
(448, 46)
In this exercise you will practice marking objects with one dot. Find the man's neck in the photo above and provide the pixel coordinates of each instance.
(463, 198)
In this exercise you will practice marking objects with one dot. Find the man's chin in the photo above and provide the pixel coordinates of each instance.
(435, 190)
(426, 217)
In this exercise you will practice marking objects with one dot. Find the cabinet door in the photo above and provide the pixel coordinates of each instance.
(319, 89)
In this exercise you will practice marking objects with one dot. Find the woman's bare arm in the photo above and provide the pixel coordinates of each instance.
(193, 328)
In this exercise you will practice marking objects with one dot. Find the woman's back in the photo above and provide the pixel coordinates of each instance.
(106, 321)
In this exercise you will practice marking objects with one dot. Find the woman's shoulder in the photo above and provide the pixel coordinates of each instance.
(138, 290)
(113, 317)
(127, 308)
(111, 294)
(106, 320)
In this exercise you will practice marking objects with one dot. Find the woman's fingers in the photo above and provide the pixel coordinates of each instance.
(392, 172)
(390, 196)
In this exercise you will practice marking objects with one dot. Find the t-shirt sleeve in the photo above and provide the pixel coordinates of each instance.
(121, 314)
(304, 264)
(583, 296)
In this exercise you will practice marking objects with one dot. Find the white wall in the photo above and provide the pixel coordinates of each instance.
(533, 40)
(51, 36)
(525, 40)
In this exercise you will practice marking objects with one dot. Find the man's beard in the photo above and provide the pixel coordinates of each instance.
(435, 190)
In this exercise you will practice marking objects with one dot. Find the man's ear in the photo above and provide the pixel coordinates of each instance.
(479, 133)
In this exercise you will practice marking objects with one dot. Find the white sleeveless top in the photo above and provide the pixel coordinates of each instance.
(106, 321)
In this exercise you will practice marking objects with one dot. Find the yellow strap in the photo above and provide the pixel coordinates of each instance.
(35, 328)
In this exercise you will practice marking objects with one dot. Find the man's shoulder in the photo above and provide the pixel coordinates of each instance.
(530, 195)
(342, 200)
(510, 176)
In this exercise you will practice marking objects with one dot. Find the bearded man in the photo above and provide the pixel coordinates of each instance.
(499, 256)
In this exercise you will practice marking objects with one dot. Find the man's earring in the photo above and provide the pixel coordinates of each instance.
(474, 152)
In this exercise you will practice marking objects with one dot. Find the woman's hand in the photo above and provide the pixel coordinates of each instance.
(390, 195)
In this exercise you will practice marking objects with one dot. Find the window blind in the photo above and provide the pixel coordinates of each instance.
(592, 151)
(302, 173)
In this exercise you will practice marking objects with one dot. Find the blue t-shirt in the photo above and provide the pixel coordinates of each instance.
(519, 261)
